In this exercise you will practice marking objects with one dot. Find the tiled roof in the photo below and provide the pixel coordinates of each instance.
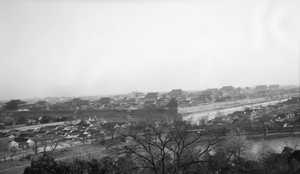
(20, 139)
(152, 95)
(15, 102)
(104, 100)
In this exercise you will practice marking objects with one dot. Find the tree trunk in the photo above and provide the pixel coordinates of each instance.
(35, 148)
(265, 130)
(54, 147)
(45, 148)
(112, 137)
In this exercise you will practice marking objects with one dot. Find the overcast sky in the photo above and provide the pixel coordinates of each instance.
(74, 48)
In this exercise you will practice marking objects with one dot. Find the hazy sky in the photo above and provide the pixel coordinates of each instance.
(73, 48)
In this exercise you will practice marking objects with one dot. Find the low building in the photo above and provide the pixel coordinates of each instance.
(20, 143)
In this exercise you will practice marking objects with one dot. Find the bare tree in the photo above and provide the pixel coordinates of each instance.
(44, 144)
(165, 148)
(235, 146)
(34, 145)
(230, 155)
(111, 128)
(12, 152)
(54, 142)
(50, 141)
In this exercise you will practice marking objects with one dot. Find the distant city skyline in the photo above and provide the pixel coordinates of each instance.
(145, 92)
(87, 48)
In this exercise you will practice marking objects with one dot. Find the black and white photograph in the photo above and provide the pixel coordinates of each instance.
(149, 86)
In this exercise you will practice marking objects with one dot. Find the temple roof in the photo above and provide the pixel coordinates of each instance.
(15, 102)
